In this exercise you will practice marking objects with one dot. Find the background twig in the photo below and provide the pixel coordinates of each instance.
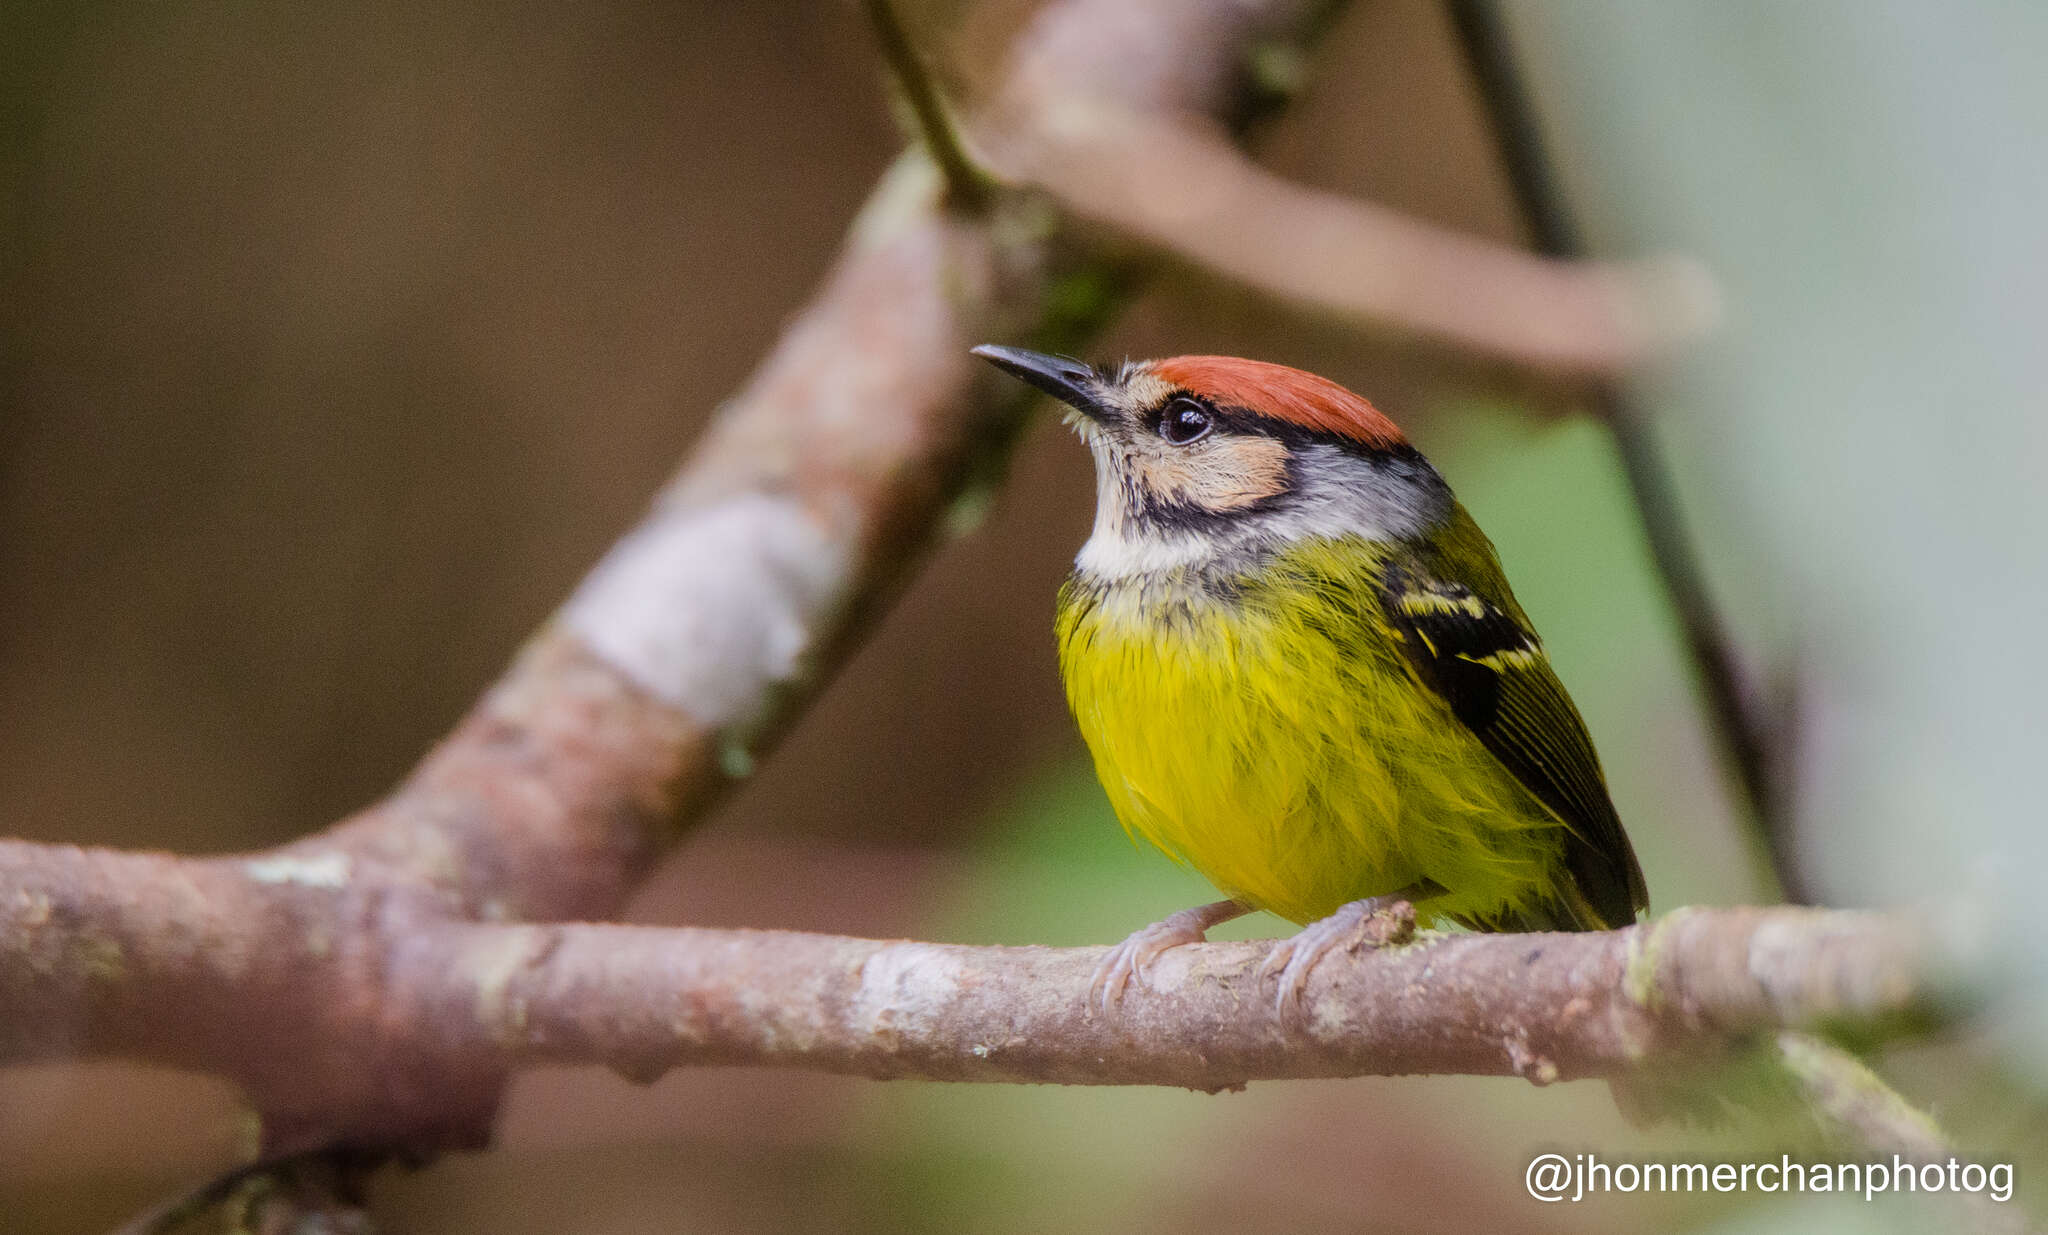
(967, 185)
(1739, 719)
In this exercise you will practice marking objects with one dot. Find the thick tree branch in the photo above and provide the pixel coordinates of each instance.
(1544, 1007)
(464, 1003)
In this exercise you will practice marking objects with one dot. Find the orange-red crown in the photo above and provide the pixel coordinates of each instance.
(1284, 394)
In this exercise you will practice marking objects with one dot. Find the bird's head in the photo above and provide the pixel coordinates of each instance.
(1201, 460)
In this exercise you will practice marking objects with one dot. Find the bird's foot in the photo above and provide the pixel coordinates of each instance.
(1375, 922)
(1133, 957)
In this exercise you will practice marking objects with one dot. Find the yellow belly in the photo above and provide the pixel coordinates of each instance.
(1275, 740)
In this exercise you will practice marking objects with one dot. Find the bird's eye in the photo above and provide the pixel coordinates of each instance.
(1185, 421)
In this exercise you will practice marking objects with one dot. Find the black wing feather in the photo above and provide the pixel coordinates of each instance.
(1486, 663)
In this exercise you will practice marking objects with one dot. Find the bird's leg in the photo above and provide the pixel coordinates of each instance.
(1376, 921)
(1134, 956)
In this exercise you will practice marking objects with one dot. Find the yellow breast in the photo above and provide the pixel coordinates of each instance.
(1270, 735)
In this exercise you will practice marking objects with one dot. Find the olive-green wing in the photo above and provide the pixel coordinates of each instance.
(1470, 642)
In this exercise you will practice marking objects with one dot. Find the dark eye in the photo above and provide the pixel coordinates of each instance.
(1185, 421)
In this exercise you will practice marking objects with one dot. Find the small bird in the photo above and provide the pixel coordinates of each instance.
(1300, 671)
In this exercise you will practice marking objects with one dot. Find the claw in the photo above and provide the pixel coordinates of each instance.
(1358, 924)
(1135, 956)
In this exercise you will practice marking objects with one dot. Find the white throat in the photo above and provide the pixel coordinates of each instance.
(1336, 496)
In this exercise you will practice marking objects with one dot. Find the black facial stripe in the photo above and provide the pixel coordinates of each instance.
(1230, 418)
(1401, 466)
(1169, 515)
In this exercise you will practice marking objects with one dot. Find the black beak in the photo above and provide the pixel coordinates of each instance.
(1069, 381)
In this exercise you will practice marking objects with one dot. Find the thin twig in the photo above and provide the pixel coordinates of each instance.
(1855, 1106)
(308, 1194)
(967, 185)
(1739, 720)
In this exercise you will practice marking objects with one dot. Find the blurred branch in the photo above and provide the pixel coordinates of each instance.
(1856, 1107)
(317, 1194)
(1174, 184)
(967, 185)
(1738, 714)
(1855, 1104)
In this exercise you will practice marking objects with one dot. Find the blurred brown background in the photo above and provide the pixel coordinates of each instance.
(340, 340)
(345, 342)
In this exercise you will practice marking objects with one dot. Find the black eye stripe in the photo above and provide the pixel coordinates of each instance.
(1243, 421)
(1185, 420)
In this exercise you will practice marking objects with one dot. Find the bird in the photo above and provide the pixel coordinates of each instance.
(1299, 669)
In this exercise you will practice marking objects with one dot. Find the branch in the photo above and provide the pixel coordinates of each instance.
(310, 1195)
(966, 184)
(1856, 1107)
(1355, 260)
(1855, 1104)
(1737, 713)
(1544, 1007)
(466, 1002)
